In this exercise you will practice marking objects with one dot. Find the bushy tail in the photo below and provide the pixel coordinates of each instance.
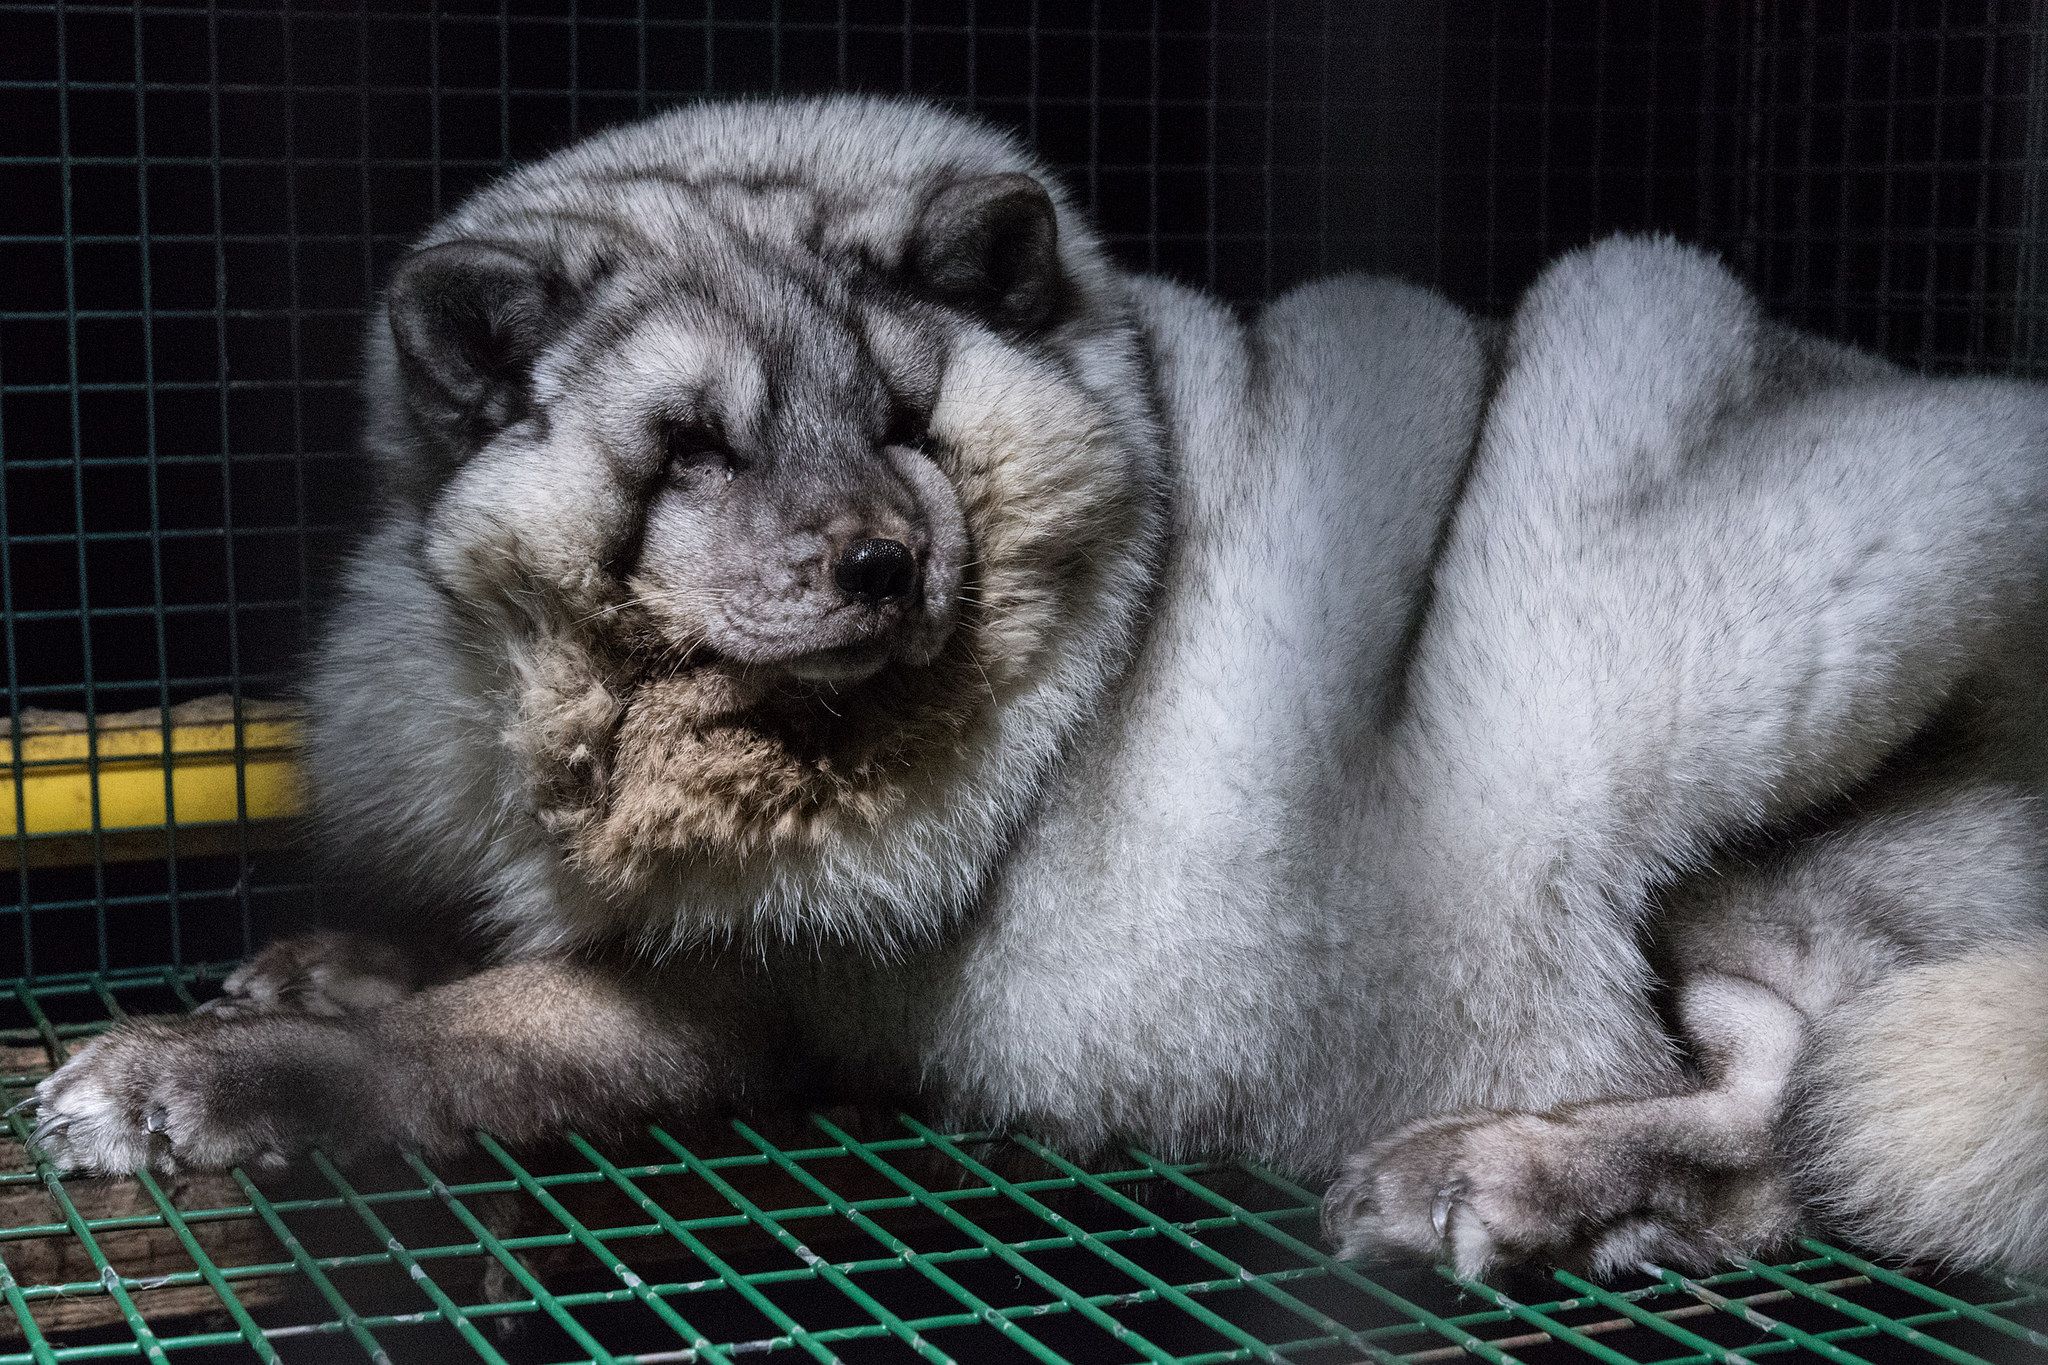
(1918, 1122)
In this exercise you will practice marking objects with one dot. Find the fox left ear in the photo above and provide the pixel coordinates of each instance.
(468, 319)
(990, 244)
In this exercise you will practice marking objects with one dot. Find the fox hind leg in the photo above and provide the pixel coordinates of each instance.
(1685, 1179)
(1863, 1010)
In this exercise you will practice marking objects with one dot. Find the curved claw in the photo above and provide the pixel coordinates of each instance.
(1447, 1197)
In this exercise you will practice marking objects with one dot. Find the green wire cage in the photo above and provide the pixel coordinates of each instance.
(198, 199)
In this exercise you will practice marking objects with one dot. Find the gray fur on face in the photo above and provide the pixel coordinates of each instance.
(1337, 736)
(756, 387)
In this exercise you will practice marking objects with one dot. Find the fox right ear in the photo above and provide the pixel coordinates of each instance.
(990, 244)
(468, 319)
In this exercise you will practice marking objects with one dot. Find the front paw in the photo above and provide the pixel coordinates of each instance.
(324, 973)
(200, 1093)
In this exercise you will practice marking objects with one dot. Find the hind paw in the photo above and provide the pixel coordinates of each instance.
(1598, 1189)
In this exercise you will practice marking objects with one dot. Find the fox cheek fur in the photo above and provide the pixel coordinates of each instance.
(821, 610)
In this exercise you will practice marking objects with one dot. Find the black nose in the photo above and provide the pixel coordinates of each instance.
(876, 570)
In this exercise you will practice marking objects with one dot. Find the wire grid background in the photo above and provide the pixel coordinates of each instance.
(824, 1240)
(196, 202)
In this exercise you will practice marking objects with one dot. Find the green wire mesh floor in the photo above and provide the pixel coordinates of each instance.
(832, 1240)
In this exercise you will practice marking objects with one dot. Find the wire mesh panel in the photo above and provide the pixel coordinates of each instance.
(197, 202)
(1890, 175)
(834, 1239)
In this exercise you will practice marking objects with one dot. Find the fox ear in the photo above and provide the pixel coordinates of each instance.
(990, 244)
(468, 320)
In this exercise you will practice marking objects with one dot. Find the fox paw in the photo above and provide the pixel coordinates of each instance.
(1595, 1189)
(172, 1094)
(323, 973)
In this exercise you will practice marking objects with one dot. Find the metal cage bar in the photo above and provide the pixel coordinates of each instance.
(197, 202)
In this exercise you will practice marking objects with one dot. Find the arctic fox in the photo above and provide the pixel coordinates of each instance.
(1570, 783)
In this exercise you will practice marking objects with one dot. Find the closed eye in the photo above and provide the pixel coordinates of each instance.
(692, 449)
(907, 427)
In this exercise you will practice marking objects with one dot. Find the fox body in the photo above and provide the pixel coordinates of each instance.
(1568, 783)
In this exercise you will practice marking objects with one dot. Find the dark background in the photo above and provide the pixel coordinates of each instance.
(197, 202)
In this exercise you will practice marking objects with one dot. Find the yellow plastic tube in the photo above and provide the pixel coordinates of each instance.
(63, 765)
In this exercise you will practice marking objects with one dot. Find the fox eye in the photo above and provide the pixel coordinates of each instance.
(907, 427)
(692, 449)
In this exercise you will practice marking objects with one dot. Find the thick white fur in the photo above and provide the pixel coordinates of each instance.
(1926, 1121)
(1703, 576)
